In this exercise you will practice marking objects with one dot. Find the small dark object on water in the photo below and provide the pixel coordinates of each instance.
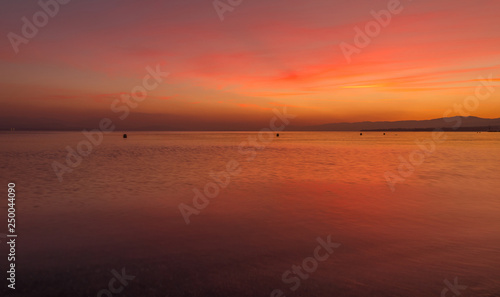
(124, 135)
(360, 133)
(277, 135)
(384, 133)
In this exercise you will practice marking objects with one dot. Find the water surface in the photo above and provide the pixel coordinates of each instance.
(120, 209)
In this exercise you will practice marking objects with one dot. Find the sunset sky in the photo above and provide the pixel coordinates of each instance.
(262, 55)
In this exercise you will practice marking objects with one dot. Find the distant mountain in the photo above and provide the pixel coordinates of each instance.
(463, 124)
(162, 122)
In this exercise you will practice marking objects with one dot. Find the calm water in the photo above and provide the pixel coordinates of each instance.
(119, 209)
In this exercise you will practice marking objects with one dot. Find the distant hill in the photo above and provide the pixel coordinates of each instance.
(467, 124)
(161, 122)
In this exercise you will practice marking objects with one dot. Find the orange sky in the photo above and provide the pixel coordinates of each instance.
(263, 55)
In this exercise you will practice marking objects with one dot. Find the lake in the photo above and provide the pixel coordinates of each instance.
(243, 214)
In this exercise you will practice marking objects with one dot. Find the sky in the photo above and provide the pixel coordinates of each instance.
(232, 63)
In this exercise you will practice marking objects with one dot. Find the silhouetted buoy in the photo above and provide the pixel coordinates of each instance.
(384, 133)
(360, 133)
(277, 135)
(124, 135)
